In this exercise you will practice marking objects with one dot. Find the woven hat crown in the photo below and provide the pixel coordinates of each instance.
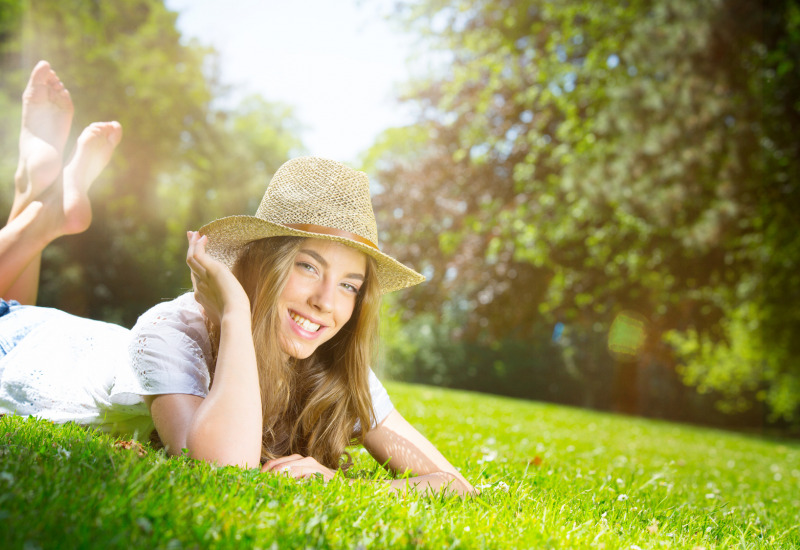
(321, 192)
(312, 197)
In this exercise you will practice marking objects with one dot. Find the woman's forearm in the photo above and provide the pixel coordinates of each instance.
(227, 426)
(401, 448)
(434, 483)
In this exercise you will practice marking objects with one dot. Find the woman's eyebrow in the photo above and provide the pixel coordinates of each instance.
(316, 256)
(324, 263)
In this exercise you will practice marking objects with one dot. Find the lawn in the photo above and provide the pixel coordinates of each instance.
(550, 476)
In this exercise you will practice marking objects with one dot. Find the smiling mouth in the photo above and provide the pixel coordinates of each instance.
(304, 323)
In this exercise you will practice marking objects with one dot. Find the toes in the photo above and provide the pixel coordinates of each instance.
(63, 99)
(44, 78)
(42, 74)
(44, 85)
(59, 96)
(114, 133)
(111, 131)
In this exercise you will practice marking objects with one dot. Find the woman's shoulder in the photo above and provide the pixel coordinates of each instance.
(169, 350)
(182, 310)
(178, 322)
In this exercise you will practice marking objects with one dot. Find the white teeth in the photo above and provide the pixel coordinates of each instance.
(304, 323)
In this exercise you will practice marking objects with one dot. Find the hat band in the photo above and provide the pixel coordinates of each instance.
(321, 229)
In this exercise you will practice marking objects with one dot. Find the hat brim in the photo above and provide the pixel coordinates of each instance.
(226, 237)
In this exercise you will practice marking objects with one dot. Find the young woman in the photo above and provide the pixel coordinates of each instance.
(266, 362)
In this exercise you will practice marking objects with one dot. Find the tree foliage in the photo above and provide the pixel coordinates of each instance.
(182, 161)
(575, 160)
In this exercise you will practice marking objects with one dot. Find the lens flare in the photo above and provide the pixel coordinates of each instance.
(627, 335)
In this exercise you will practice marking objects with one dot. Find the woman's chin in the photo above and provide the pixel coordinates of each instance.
(296, 351)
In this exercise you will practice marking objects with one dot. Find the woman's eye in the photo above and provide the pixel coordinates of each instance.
(306, 267)
(350, 288)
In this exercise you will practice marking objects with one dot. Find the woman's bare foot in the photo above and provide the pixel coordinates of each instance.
(93, 150)
(46, 118)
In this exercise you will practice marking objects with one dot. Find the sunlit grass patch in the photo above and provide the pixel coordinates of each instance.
(550, 477)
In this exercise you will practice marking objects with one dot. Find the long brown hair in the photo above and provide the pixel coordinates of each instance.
(315, 406)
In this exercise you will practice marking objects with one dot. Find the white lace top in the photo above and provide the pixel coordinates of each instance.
(67, 368)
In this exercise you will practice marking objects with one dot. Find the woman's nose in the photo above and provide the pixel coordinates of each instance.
(322, 297)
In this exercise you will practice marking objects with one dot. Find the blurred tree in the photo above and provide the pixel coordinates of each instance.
(579, 159)
(182, 161)
(780, 204)
(761, 348)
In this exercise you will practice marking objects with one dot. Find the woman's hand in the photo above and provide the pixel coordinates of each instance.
(215, 287)
(298, 466)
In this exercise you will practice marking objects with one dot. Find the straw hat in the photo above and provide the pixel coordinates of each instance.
(317, 198)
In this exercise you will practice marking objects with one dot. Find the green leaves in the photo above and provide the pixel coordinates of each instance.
(632, 151)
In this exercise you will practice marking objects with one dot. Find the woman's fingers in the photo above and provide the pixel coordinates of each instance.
(300, 471)
(199, 260)
(275, 463)
(304, 472)
(298, 467)
(191, 252)
(196, 253)
(216, 288)
(203, 267)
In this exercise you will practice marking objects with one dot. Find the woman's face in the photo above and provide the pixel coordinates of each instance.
(320, 295)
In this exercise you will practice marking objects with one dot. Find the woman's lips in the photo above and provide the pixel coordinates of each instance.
(304, 326)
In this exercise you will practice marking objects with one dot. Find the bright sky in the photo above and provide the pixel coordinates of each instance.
(338, 62)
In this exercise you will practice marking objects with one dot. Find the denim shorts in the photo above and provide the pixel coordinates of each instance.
(16, 322)
(5, 307)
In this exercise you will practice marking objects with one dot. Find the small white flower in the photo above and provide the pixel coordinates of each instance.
(710, 495)
(488, 456)
(502, 485)
(466, 528)
(622, 497)
(634, 547)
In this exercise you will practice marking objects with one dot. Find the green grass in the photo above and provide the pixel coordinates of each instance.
(552, 477)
